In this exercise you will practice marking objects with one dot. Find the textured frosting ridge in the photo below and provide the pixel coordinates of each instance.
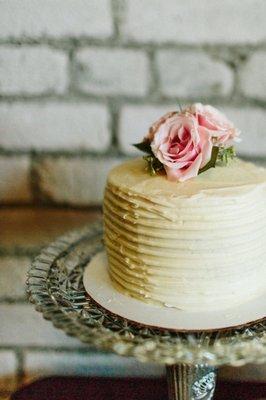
(195, 245)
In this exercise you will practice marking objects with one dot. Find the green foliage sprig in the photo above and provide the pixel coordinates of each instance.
(153, 164)
(219, 153)
(226, 153)
(145, 147)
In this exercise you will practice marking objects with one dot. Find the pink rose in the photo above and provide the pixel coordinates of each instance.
(150, 135)
(216, 123)
(182, 146)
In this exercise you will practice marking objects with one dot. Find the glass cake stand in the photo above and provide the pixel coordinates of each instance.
(55, 287)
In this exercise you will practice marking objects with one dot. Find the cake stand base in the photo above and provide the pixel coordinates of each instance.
(190, 382)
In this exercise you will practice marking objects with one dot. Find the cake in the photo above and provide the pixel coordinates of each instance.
(193, 244)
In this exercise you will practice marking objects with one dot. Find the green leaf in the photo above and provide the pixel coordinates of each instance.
(144, 146)
(153, 164)
(212, 162)
(226, 153)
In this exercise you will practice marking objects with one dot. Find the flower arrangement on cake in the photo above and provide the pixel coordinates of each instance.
(189, 142)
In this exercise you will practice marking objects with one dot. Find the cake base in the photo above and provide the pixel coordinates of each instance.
(99, 287)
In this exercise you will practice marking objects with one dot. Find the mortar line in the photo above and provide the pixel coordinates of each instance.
(13, 301)
(34, 180)
(20, 371)
(51, 349)
(116, 16)
(115, 40)
(154, 83)
(114, 110)
(76, 96)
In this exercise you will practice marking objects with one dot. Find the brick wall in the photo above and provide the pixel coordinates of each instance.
(31, 347)
(80, 80)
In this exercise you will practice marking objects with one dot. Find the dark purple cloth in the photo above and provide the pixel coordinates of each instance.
(73, 388)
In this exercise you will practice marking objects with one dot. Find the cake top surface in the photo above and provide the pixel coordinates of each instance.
(237, 177)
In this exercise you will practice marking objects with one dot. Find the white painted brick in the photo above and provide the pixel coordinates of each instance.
(192, 73)
(22, 325)
(8, 366)
(253, 76)
(54, 126)
(32, 70)
(112, 71)
(76, 181)
(193, 21)
(14, 178)
(135, 122)
(13, 272)
(55, 18)
(252, 123)
(91, 364)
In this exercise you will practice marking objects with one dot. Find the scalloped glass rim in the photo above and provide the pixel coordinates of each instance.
(55, 287)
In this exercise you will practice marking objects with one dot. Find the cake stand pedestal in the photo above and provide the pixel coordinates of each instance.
(190, 381)
(55, 286)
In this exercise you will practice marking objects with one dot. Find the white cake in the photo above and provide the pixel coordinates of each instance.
(199, 244)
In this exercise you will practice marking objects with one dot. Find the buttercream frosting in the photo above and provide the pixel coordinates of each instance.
(195, 245)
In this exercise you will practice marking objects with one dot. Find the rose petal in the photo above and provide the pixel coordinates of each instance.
(183, 174)
(217, 124)
(192, 171)
(206, 146)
